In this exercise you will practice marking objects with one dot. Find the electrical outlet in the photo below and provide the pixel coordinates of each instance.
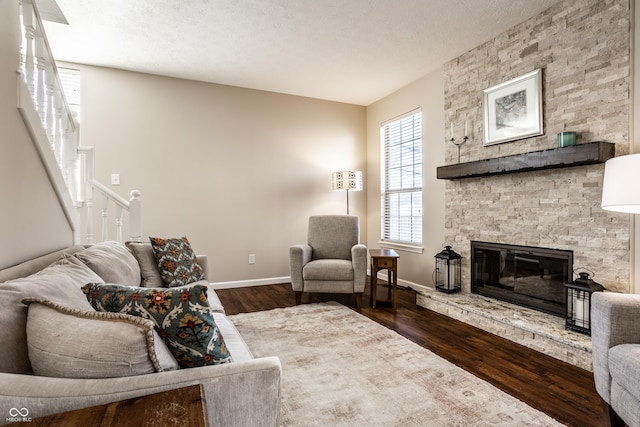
(252, 258)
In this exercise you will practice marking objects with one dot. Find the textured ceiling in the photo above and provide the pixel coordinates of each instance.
(354, 51)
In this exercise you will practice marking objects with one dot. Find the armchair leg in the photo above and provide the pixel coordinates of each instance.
(359, 300)
(298, 297)
(613, 419)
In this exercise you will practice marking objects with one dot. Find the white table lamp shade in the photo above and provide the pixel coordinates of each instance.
(621, 185)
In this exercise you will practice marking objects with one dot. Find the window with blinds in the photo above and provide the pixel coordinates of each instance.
(402, 179)
(70, 80)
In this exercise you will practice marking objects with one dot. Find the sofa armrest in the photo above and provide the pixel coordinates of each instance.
(359, 260)
(203, 260)
(236, 394)
(615, 319)
(299, 255)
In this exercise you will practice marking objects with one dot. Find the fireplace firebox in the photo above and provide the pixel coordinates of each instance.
(524, 275)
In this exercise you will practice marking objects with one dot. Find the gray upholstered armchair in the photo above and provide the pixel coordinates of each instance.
(615, 333)
(333, 260)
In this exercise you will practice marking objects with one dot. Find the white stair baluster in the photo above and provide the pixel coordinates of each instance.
(29, 36)
(41, 64)
(105, 218)
(49, 101)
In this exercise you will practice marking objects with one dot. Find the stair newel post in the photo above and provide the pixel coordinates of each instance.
(118, 223)
(88, 182)
(89, 212)
(70, 135)
(105, 218)
(135, 216)
(70, 154)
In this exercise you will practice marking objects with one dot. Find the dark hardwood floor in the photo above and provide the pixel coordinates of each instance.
(561, 390)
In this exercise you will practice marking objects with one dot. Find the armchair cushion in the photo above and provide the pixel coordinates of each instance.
(333, 236)
(328, 270)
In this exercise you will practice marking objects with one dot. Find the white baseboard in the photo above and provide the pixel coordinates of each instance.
(382, 275)
(287, 279)
(253, 282)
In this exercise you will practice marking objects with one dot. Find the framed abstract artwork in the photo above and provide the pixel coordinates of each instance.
(513, 109)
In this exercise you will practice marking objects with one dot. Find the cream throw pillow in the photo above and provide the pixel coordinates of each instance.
(71, 343)
(60, 282)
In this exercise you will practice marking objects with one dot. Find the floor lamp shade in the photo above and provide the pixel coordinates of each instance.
(347, 180)
(620, 190)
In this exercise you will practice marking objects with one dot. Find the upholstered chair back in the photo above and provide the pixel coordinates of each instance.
(333, 236)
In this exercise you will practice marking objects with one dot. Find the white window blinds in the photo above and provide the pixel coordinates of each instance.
(402, 179)
(70, 80)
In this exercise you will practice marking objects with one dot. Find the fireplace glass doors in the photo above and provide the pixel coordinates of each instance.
(528, 276)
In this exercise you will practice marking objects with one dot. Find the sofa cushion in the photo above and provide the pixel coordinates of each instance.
(70, 343)
(60, 283)
(328, 269)
(238, 348)
(181, 315)
(624, 365)
(113, 262)
(143, 252)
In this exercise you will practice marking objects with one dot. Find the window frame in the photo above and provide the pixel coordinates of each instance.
(414, 243)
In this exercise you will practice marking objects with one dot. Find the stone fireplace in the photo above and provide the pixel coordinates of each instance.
(551, 208)
(554, 208)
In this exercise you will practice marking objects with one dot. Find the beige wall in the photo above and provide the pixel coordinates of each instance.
(426, 93)
(33, 222)
(238, 171)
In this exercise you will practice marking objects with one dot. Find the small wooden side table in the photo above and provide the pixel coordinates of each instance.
(382, 259)
(182, 406)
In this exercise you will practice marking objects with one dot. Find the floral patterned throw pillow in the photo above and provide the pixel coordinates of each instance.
(176, 261)
(181, 316)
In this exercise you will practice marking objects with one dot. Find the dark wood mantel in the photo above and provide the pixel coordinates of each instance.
(575, 155)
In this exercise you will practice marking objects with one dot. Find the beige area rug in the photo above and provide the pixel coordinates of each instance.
(343, 369)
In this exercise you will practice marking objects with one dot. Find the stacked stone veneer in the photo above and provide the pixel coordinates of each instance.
(583, 48)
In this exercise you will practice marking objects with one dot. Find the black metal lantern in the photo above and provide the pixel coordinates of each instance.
(578, 297)
(448, 271)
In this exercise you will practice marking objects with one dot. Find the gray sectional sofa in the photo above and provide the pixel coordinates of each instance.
(243, 392)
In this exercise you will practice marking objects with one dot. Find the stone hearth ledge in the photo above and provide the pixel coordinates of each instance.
(539, 331)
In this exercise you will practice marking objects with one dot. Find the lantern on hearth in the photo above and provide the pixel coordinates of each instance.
(578, 297)
(448, 270)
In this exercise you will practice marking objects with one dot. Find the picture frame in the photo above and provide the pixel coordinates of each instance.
(513, 109)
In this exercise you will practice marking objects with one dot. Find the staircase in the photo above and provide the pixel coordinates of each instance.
(56, 135)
